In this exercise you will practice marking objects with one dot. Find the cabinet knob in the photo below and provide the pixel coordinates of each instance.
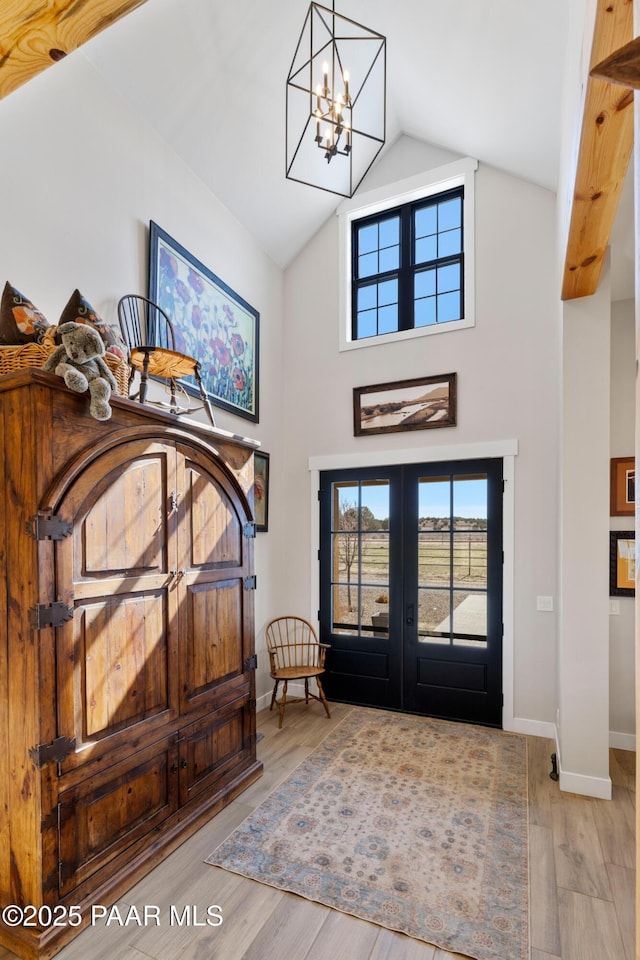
(174, 768)
(184, 764)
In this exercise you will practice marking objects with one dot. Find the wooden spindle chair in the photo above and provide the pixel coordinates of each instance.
(295, 654)
(149, 335)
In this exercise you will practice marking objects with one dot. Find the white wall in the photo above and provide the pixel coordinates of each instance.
(621, 625)
(584, 545)
(507, 370)
(80, 178)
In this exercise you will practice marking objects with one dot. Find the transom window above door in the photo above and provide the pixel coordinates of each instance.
(407, 258)
(408, 266)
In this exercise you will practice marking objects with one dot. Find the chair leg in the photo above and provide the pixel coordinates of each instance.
(132, 374)
(274, 694)
(203, 394)
(282, 704)
(173, 407)
(306, 689)
(143, 379)
(322, 697)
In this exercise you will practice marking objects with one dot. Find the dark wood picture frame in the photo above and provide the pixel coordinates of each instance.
(261, 462)
(623, 486)
(622, 563)
(423, 403)
(212, 323)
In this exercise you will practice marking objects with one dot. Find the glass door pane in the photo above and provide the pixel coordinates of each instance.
(360, 587)
(434, 558)
(452, 560)
(469, 580)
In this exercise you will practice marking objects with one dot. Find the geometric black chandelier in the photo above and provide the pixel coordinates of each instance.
(336, 102)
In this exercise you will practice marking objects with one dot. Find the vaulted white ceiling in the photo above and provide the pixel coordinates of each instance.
(479, 77)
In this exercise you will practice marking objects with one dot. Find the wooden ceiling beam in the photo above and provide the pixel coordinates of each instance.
(621, 67)
(35, 35)
(606, 143)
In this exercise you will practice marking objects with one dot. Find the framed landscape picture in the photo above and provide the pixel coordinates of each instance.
(212, 323)
(622, 563)
(420, 404)
(623, 486)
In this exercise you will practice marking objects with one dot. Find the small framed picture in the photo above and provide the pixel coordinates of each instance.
(623, 486)
(419, 404)
(622, 563)
(261, 491)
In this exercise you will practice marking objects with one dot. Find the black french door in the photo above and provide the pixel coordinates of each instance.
(411, 588)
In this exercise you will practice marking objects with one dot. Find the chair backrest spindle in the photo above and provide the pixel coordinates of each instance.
(292, 642)
(144, 323)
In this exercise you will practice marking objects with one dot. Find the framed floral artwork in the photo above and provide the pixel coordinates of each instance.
(211, 322)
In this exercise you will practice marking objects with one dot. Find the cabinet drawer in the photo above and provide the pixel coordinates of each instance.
(215, 749)
(111, 811)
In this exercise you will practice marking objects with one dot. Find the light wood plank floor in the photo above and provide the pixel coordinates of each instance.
(582, 864)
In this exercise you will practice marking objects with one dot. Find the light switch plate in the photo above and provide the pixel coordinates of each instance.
(544, 604)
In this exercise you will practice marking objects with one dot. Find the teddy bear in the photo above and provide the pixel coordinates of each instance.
(78, 360)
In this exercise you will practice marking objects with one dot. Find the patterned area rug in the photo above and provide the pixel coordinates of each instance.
(415, 824)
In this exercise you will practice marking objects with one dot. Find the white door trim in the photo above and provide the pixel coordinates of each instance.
(508, 450)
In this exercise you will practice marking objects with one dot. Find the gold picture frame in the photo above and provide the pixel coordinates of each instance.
(623, 486)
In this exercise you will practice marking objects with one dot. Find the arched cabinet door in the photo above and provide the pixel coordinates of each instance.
(155, 572)
(214, 563)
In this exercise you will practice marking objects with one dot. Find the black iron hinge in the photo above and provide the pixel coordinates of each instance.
(53, 752)
(251, 663)
(49, 615)
(249, 529)
(47, 526)
(249, 583)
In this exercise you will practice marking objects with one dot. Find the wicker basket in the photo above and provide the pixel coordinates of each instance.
(34, 355)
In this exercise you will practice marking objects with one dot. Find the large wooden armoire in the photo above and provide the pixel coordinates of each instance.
(127, 664)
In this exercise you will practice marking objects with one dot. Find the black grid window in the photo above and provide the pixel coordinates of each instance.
(408, 266)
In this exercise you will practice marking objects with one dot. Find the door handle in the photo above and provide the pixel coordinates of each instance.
(408, 618)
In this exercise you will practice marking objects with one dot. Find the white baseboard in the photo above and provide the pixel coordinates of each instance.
(263, 702)
(599, 787)
(532, 728)
(293, 690)
(623, 741)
